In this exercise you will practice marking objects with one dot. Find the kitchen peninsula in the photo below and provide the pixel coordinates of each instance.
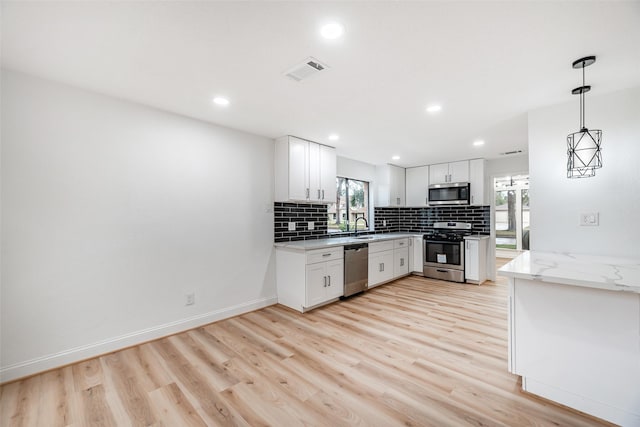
(574, 331)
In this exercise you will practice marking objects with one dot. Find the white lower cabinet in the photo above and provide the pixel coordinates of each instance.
(475, 260)
(416, 260)
(400, 262)
(306, 279)
(325, 281)
(380, 267)
(388, 260)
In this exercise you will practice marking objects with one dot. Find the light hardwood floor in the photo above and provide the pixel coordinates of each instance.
(415, 352)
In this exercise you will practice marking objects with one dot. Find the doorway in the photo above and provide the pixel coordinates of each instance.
(511, 195)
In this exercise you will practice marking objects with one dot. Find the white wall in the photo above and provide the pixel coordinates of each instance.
(556, 201)
(355, 169)
(112, 212)
(506, 165)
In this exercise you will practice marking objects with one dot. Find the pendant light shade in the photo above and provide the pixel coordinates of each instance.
(584, 153)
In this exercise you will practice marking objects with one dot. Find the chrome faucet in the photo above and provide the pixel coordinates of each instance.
(355, 225)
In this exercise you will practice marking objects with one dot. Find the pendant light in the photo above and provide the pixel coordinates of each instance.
(583, 147)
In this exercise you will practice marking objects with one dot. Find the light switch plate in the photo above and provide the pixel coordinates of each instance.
(310, 225)
(292, 226)
(590, 219)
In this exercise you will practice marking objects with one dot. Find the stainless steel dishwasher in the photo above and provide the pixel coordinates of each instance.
(356, 268)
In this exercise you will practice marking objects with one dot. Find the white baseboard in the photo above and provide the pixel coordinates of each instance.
(621, 416)
(62, 358)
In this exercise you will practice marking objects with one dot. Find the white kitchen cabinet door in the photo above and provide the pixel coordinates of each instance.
(380, 267)
(417, 186)
(400, 262)
(475, 260)
(439, 174)
(398, 185)
(304, 171)
(298, 179)
(335, 279)
(416, 260)
(445, 173)
(459, 171)
(471, 260)
(476, 179)
(315, 192)
(328, 173)
(390, 183)
(316, 279)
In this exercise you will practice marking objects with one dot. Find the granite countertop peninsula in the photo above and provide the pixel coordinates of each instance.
(591, 271)
(305, 245)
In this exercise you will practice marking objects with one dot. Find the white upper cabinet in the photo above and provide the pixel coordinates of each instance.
(390, 182)
(476, 178)
(304, 171)
(417, 186)
(443, 173)
(328, 173)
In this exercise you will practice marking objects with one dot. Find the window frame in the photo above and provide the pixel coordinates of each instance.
(347, 197)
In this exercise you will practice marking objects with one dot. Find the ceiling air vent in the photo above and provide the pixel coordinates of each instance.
(309, 67)
(508, 153)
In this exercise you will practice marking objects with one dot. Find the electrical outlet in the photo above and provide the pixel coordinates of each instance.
(384, 222)
(591, 219)
(310, 225)
(190, 299)
(292, 226)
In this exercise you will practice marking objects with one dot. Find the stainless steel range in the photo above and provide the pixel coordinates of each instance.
(444, 251)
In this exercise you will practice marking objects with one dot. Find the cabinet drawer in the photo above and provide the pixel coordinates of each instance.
(321, 255)
(401, 243)
(380, 246)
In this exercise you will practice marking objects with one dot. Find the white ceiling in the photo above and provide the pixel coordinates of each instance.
(486, 63)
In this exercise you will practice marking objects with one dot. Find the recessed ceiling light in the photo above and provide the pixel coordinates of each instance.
(334, 137)
(395, 158)
(332, 30)
(434, 108)
(219, 100)
(478, 143)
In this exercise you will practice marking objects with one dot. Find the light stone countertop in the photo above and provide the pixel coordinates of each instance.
(305, 245)
(476, 237)
(591, 271)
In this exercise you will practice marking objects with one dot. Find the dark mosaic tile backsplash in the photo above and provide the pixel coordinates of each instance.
(413, 220)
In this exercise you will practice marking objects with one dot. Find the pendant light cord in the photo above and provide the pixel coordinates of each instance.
(582, 100)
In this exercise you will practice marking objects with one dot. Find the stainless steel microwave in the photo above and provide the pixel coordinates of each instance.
(451, 193)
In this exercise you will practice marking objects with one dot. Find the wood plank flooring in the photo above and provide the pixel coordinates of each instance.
(416, 352)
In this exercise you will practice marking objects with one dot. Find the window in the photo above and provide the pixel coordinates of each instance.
(352, 202)
(512, 212)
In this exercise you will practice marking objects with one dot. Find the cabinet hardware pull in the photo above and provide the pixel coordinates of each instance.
(322, 194)
(307, 193)
(383, 266)
(329, 254)
(401, 262)
(318, 194)
(325, 281)
(398, 200)
(329, 281)
(380, 267)
(442, 271)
